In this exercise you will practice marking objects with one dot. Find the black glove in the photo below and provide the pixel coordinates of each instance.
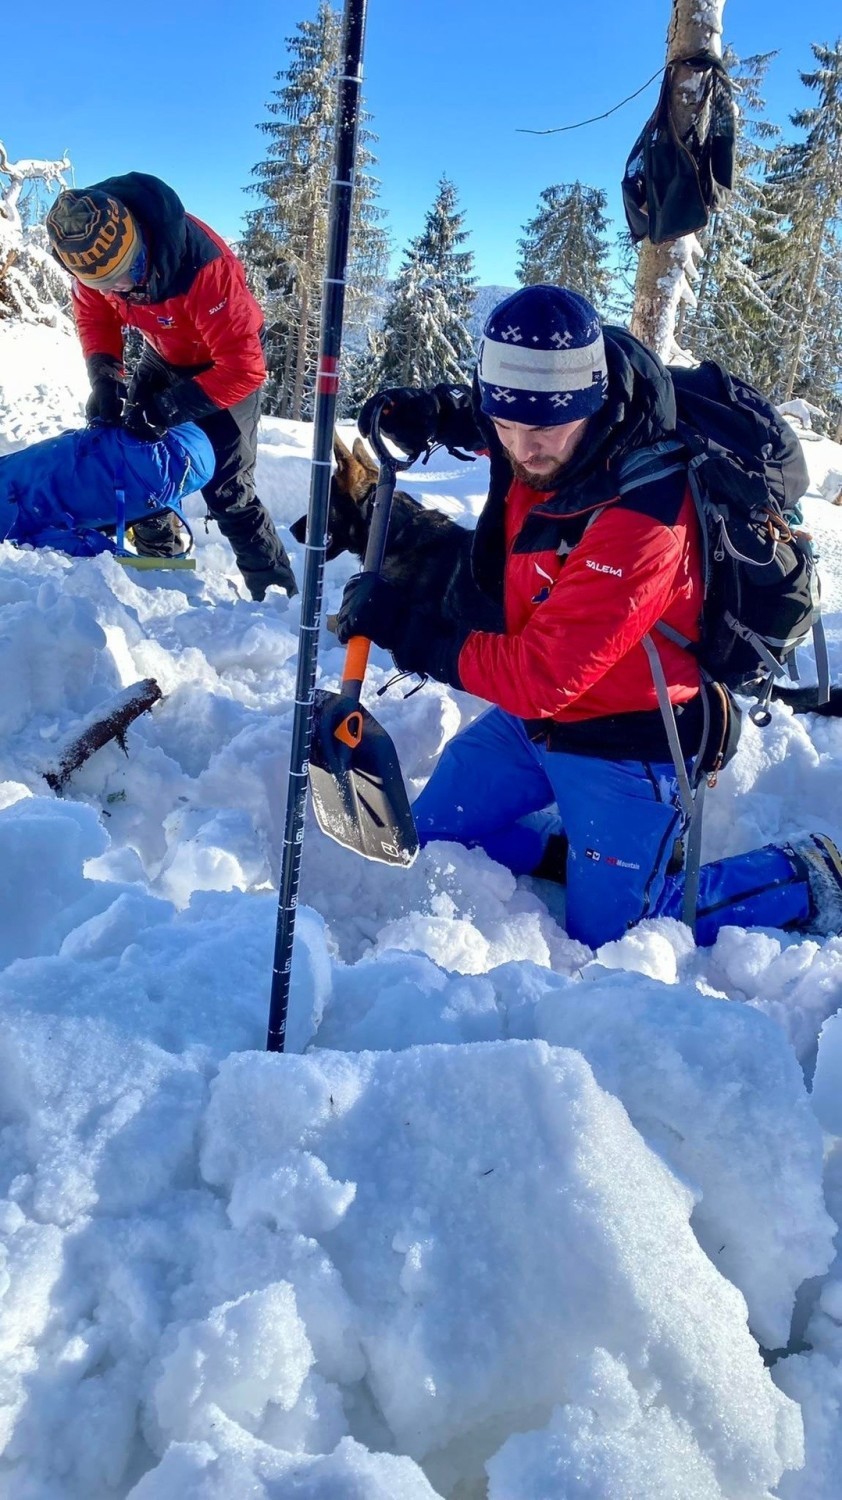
(419, 640)
(138, 424)
(409, 417)
(167, 406)
(105, 403)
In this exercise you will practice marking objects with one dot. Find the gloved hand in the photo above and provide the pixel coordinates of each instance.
(278, 574)
(105, 403)
(136, 421)
(409, 417)
(419, 640)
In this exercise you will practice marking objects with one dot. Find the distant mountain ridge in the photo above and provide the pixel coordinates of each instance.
(485, 300)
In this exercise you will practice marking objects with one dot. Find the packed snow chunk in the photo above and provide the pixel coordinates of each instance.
(656, 949)
(507, 1219)
(53, 651)
(716, 1090)
(240, 1358)
(827, 1079)
(606, 1445)
(95, 1122)
(254, 1471)
(406, 999)
(798, 984)
(816, 1382)
(44, 895)
(108, 934)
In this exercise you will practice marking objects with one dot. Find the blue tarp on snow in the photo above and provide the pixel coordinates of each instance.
(61, 492)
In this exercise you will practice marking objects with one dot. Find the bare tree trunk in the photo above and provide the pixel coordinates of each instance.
(662, 282)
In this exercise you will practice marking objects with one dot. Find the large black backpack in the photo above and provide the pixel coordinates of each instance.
(746, 471)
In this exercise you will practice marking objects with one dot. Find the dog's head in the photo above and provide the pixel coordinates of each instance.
(351, 488)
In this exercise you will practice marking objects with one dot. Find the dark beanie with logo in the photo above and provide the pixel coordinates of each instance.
(93, 236)
(542, 358)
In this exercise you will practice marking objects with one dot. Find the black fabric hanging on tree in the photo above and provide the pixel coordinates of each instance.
(327, 382)
(673, 183)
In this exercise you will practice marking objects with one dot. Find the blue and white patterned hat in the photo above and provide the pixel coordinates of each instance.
(542, 358)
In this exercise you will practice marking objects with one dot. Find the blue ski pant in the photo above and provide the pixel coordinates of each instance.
(493, 788)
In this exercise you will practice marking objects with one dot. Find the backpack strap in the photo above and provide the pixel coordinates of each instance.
(822, 659)
(691, 791)
(640, 468)
(668, 456)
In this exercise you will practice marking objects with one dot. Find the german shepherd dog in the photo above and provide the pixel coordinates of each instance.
(429, 556)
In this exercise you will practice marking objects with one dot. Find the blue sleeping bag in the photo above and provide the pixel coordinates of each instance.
(66, 491)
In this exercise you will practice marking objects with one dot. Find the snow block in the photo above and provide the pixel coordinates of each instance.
(497, 1190)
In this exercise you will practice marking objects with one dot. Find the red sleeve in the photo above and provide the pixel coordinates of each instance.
(228, 319)
(97, 322)
(613, 588)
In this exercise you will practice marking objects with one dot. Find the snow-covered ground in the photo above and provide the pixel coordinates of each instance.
(509, 1218)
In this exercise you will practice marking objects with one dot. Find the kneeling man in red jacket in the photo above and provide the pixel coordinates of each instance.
(139, 261)
(570, 774)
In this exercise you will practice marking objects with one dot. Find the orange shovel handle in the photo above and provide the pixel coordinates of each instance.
(350, 729)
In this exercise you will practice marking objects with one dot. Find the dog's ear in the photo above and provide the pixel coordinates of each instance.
(364, 458)
(356, 472)
(341, 453)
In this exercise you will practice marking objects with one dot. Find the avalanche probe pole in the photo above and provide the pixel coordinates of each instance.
(327, 382)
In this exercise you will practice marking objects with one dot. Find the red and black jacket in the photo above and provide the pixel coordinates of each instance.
(582, 575)
(194, 308)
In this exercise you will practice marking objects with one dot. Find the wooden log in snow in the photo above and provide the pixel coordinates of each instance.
(108, 722)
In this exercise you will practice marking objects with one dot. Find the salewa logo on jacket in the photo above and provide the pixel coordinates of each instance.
(598, 567)
(545, 589)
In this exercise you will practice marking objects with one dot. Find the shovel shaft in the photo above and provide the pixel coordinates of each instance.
(356, 661)
(375, 549)
(357, 652)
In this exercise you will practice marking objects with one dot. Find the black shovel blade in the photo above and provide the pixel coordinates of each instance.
(358, 793)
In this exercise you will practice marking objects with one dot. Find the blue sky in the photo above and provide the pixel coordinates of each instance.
(178, 89)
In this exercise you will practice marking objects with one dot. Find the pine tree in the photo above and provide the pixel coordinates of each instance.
(425, 339)
(566, 242)
(808, 189)
(735, 319)
(285, 244)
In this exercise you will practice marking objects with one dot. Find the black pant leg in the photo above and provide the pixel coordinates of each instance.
(230, 496)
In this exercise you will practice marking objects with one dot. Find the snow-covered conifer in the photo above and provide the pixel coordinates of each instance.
(425, 334)
(285, 244)
(735, 319)
(566, 242)
(805, 272)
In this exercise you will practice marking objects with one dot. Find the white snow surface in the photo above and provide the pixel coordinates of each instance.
(509, 1218)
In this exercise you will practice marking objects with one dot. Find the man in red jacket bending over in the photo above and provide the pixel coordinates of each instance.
(139, 261)
(582, 575)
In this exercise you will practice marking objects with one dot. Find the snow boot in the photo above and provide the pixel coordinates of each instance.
(158, 536)
(821, 862)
